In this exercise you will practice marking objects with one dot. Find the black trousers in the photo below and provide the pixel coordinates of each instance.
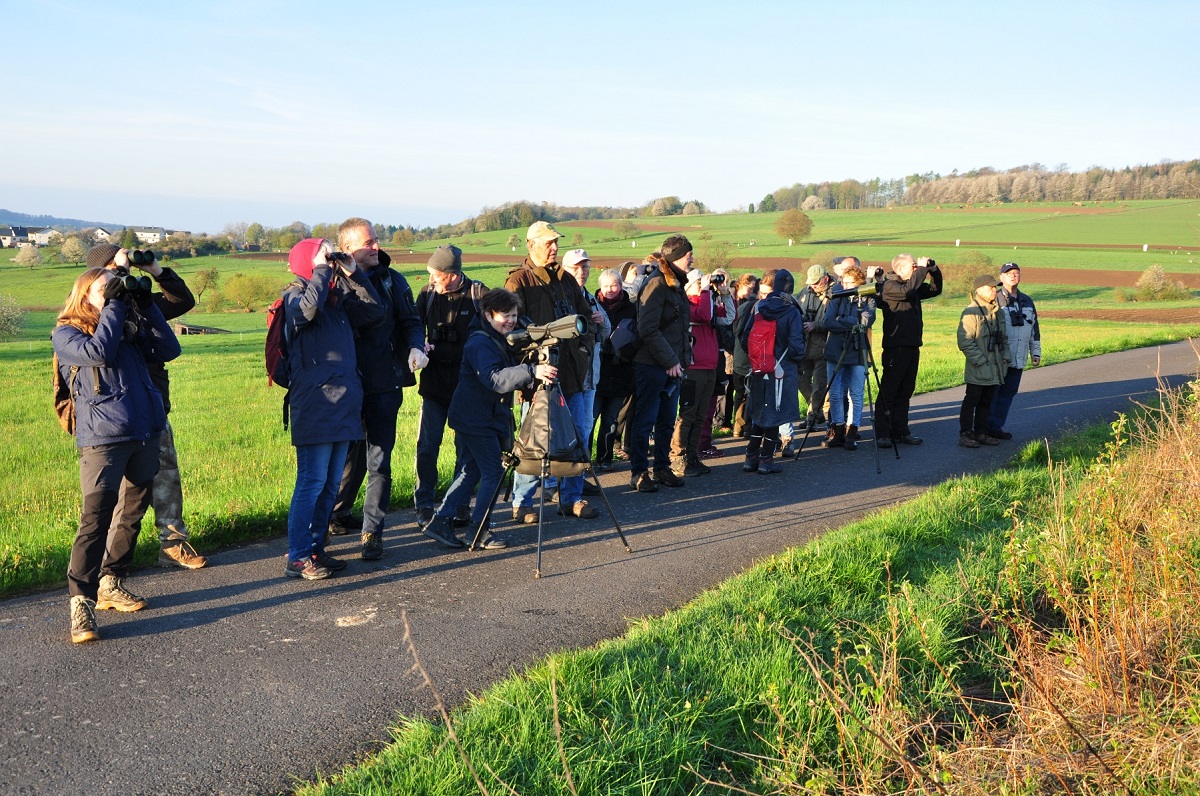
(976, 406)
(896, 387)
(104, 471)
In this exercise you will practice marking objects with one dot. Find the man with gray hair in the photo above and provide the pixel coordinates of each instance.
(900, 295)
(388, 352)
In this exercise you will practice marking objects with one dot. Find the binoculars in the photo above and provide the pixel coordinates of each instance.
(139, 257)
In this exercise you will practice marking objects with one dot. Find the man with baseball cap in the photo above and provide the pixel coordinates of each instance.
(547, 294)
(447, 307)
(814, 381)
(1024, 343)
(981, 339)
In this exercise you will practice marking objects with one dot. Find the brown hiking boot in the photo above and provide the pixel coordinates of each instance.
(83, 620)
(967, 440)
(113, 594)
(179, 553)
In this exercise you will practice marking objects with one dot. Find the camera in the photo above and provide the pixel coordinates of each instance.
(865, 289)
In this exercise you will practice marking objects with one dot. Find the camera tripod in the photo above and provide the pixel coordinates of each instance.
(512, 460)
(861, 342)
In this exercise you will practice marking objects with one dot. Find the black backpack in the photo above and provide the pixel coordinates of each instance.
(548, 431)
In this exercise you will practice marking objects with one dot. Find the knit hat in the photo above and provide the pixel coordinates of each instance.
(675, 248)
(447, 259)
(815, 274)
(984, 280)
(784, 281)
(693, 276)
(542, 230)
(102, 255)
(300, 258)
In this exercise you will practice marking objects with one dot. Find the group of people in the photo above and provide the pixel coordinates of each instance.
(663, 342)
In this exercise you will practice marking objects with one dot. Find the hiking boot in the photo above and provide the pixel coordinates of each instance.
(604, 467)
(329, 562)
(1000, 434)
(340, 526)
(883, 442)
(492, 542)
(424, 516)
(372, 546)
(580, 509)
(751, 465)
(306, 568)
(442, 530)
(835, 437)
(113, 594)
(910, 439)
(967, 440)
(852, 437)
(986, 439)
(694, 467)
(462, 516)
(525, 515)
(641, 482)
(768, 466)
(665, 477)
(590, 489)
(180, 554)
(83, 620)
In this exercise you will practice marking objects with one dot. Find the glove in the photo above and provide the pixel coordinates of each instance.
(112, 289)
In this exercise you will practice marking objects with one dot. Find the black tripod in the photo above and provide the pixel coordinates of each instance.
(546, 468)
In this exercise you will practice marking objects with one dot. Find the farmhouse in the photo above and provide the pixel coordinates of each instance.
(43, 236)
(11, 237)
(149, 235)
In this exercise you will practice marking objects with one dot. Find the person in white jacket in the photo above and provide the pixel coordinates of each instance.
(1024, 342)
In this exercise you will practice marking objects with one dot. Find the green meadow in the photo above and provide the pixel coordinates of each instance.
(236, 459)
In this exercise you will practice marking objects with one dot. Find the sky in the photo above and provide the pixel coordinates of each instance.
(194, 115)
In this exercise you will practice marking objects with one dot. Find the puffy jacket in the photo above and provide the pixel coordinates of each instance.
(1025, 340)
(842, 315)
(123, 405)
(705, 349)
(382, 345)
(771, 401)
(489, 374)
(663, 318)
(982, 340)
(548, 294)
(900, 300)
(325, 393)
(448, 319)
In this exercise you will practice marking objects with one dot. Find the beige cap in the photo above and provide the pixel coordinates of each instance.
(542, 230)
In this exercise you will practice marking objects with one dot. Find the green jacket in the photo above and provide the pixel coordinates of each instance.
(982, 340)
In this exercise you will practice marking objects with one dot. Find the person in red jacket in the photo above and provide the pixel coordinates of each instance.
(699, 380)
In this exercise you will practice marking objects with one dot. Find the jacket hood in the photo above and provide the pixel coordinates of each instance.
(784, 281)
(774, 306)
(300, 258)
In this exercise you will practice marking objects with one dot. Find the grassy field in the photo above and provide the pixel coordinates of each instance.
(236, 461)
(1029, 631)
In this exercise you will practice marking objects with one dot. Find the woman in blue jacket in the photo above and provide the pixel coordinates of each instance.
(847, 318)
(104, 338)
(481, 413)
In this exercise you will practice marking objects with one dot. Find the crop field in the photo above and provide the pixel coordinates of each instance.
(236, 460)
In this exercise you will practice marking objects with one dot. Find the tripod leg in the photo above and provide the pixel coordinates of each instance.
(871, 403)
(537, 571)
(487, 517)
(611, 513)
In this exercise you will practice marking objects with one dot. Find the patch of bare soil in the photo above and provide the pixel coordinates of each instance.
(1181, 315)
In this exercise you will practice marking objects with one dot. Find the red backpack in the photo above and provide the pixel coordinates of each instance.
(761, 345)
(276, 346)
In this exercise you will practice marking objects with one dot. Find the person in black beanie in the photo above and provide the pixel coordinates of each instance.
(900, 296)
(447, 306)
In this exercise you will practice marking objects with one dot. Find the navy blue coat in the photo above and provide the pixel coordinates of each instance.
(325, 391)
(125, 406)
(382, 346)
(841, 316)
(767, 404)
(490, 372)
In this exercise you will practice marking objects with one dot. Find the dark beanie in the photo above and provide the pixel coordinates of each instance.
(447, 259)
(102, 255)
(784, 281)
(675, 247)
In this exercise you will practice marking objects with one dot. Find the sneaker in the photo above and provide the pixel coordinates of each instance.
(306, 568)
(711, 453)
(180, 554)
(83, 620)
(492, 542)
(329, 562)
(580, 509)
(525, 515)
(372, 547)
(967, 440)
(604, 467)
(424, 516)
(113, 594)
(641, 482)
(441, 530)
(340, 526)
(986, 439)
(695, 468)
(664, 476)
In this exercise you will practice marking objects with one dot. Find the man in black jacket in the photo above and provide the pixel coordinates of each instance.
(446, 306)
(901, 294)
(388, 353)
(174, 300)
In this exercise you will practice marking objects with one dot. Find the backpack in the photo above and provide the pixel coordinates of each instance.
(276, 353)
(624, 341)
(761, 345)
(64, 400)
(548, 431)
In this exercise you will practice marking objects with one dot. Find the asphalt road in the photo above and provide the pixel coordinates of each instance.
(237, 680)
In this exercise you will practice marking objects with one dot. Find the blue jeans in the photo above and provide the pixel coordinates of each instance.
(570, 490)
(656, 402)
(848, 381)
(318, 473)
(371, 459)
(431, 429)
(478, 465)
(1003, 400)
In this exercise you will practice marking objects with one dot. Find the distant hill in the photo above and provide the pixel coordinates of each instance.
(12, 217)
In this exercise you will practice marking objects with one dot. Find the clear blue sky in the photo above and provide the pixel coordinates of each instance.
(190, 115)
